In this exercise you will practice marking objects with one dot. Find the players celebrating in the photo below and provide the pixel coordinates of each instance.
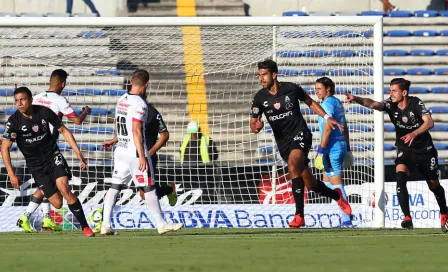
(334, 150)
(29, 126)
(415, 148)
(279, 101)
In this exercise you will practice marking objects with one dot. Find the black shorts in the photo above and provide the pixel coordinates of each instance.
(302, 140)
(426, 162)
(46, 175)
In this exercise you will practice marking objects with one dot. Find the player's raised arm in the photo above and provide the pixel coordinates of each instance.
(78, 119)
(366, 102)
(314, 106)
(72, 142)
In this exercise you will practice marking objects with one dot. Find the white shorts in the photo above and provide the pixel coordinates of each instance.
(126, 171)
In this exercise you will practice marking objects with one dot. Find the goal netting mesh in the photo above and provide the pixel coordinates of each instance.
(206, 74)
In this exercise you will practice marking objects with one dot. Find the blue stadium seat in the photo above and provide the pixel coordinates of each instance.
(68, 92)
(362, 90)
(100, 148)
(394, 72)
(313, 128)
(373, 13)
(444, 33)
(13, 148)
(290, 54)
(438, 109)
(359, 109)
(389, 128)
(78, 129)
(293, 34)
(439, 90)
(341, 90)
(441, 146)
(440, 127)
(340, 72)
(319, 34)
(267, 129)
(422, 52)
(267, 149)
(365, 53)
(363, 72)
(343, 53)
(441, 71)
(2, 130)
(419, 72)
(111, 111)
(102, 130)
(386, 89)
(395, 53)
(64, 147)
(316, 53)
(347, 34)
(443, 13)
(107, 73)
(310, 91)
(99, 111)
(400, 13)
(6, 92)
(288, 72)
(87, 147)
(359, 127)
(361, 147)
(114, 92)
(418, 90)
(9, 111)
(91, 34)
(306, 111)
(389, 147)
(398, 33)
(367, 33)
(295, 13)
(425, 33)
(312, 72)
(89, 91)
(442, 52)
(426, 13)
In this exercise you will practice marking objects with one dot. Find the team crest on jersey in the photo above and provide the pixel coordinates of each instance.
(255, 110)
(287, 99)
(289, 106)
(35, 128)
(404, 119)
(277, 105)
(43, 122)
(13, 135)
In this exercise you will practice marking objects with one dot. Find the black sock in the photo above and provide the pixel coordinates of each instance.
(439, 193)
(163, 189)
(402, 193)
(298, 190)
(78, 212)
(321, 188)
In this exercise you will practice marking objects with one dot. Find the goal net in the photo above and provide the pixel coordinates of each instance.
(202, 70)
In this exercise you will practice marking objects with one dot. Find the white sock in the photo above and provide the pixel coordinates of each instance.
(109, 202)
(32, 207)
(46, 208)
(154, 207)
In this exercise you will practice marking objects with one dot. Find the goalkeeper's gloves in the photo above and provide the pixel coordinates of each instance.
(318, 161)
(348, 159)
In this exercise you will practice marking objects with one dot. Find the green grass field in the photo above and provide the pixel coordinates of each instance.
(228, 250)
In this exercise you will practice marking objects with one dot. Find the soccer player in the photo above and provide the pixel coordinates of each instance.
(415, 149)
(53, 100)
(279, 101)
(131, 157)
(333, 152)
(29, 126)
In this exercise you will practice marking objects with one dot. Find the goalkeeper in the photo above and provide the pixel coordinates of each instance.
(333, 153)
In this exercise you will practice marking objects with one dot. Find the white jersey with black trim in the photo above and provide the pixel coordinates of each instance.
(130, 108)
(55, 102)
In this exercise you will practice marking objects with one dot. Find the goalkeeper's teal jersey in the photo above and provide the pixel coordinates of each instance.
(334, 108)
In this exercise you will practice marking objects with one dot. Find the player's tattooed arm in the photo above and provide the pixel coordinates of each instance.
(366, 102)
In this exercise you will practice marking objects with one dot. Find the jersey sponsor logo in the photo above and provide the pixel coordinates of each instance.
(298, 138)
(289, 106)
(35, 128)
(280, 116)
(407, 127)
(277, 105)
(265, 103)
(36, 139)
(287, 99)
(255, 110)
(140, 178)
(24, 128)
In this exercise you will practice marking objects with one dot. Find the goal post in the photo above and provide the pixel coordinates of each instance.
(202, 69)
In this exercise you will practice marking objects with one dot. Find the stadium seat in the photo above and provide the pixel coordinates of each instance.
(418, 90)
(99, 111)
(399, 13)
(373, 13)
(394, 72)
(389, 128)
(312, 72)
(367, 33)
(68, 92)
(340, 72)
(319, 34)
(443, 13)
(288, 72)
(359, 127)
(365, 53)
(359, 110)
(8, 14)
(13, 148)
(293, 34)
(100, 148)
(89, 91)
(58, 14)
(316, 53)
(107, 73)
(78, 129)
(395, 53)
(310, 91)
(6, 92)
(422, 52)
(389, 147)
(438, 109)
(64, 147)
(347, 34)
(91, 34)
(398, 33)
(9, 111)
(102, 130)
(426, 13)
(444, 33)
(290, 54)
(343, 53)
(267, 149)
(441, 71)
(442, 52)
(439, 90)
(111, 111)
(114, 92)
(419, 71)
(2, 130)
(386, 89)
(361, 147)
(361, 90)
(87, 147)
(341, 90)
(441, 146)
(295, 13)
(440, 127)
(425, 33)
(306, 111)
(363, 72)
(267, 129)
(313, 128)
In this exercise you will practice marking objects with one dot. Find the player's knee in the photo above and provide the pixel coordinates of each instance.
(433, 184)
(402, 178)
(294, 169)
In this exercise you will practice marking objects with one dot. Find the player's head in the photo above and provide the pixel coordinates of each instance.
(267, 73)
(58, 79)
(324, 87)
(139, 81)
(23, 99)
(399, 89)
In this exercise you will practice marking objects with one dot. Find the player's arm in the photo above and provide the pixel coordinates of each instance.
(366, 102)
(164, 134)
(428, 124)
(255, 113)
(137, 133)
(68, 111)
(78, 119)
(68, 136)
(15, 182)
(314, 106)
